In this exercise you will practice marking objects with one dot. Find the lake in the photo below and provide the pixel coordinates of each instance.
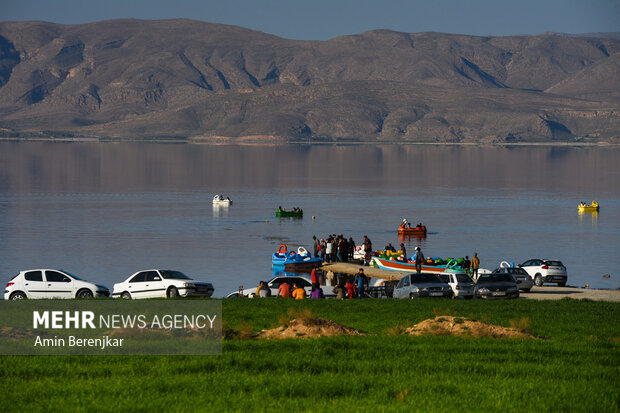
(106, 210)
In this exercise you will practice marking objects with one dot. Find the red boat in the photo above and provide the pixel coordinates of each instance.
(406, 229)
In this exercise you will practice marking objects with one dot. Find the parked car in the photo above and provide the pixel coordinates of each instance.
(46, 283)
(496, 285)
(422, 285)
(161, 284)
(546, 271)
(462, 285)
(523, 279)
(274, 284)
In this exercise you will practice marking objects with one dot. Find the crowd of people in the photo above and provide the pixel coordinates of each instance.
(344, 287)
(337, 248)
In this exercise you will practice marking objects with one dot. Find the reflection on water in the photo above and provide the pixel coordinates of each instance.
(69, 168)
(587, 217)
(104, 211)
(221, 210)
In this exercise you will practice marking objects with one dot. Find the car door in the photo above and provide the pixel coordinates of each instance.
(59, 285)
(137, 285)
(34, 284)
(155, 286)
(528, 266)
(402, 289)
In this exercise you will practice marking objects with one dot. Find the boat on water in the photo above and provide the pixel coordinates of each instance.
(583, 207)
(295, 213)
(295, 261)
(220, 200)
(406, 229)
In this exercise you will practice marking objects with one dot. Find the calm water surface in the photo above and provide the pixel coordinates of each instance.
(104, 211)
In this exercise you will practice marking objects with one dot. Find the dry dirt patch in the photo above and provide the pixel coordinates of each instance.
(309, 328)
(461, 326)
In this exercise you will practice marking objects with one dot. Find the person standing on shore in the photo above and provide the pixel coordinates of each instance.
(328, 249)
(419, 259)
(466, 264)
(351, 248)
(360, 280)
(316, 246)
(475, 264)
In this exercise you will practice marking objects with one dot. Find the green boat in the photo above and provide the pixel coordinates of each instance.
(295, 213)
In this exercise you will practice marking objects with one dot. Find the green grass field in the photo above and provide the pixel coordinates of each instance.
(574, 366)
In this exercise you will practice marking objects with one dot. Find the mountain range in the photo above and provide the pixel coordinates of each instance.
(187, 80)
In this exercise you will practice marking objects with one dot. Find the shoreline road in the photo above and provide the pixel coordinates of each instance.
(537, 293)
(557, 293)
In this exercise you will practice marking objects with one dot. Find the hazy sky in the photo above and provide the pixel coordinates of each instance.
(324, 19)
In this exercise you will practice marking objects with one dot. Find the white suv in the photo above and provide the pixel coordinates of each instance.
(546, 271)
(51, 284)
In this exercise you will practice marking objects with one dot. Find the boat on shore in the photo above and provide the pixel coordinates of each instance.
(394, 265)
(588, 208)
(295, 261)
(220, 200)
(294, 213)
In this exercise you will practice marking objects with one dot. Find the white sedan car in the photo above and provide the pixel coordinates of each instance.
(161, 284)
(274, 285)
(46, 283)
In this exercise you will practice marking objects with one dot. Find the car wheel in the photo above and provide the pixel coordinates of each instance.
(126, 296)
(411, 296)
(562, 284)
(538, 280)
(469, 297)
(172, 292)
(18, 295)
(85, 293)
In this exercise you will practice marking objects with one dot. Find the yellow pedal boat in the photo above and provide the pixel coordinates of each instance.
(592, 207)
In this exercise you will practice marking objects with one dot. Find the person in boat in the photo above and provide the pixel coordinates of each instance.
(228, 198)
(295, 209)
(419, 259)
(280, 209)
(419, 226)
(404, 250)
(389, 247)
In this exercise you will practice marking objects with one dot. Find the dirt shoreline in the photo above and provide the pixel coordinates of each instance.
(537, 293)
(271, 141)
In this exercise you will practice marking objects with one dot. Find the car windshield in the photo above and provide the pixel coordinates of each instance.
(174, 275)
(519, 271)
(554, 263)
(424, 278)
(463, 278)
(494, 277)
(73, 276)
